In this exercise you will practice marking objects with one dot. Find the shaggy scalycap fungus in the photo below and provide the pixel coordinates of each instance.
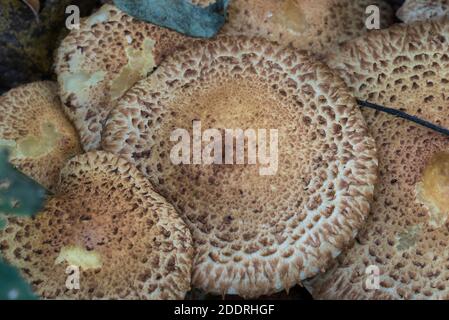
(97, 63)
(107, 222)
(315, 25)
(254, 234)
(406, 236)
(419, 10)
(35, 130)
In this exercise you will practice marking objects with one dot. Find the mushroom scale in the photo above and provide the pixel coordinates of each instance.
(34, 128)
(418, 10)
(315, 25)
(97, 63)
(406, 235)
(107, 222)
(254, 234)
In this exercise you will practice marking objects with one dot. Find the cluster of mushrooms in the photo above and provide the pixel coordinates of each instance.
(355, 188)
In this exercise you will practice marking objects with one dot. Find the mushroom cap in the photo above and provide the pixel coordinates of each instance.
(254, 234)
(34, 127)
(315, 25)
(406, 235)
(418, 10)
(102, 59)
(127, 240)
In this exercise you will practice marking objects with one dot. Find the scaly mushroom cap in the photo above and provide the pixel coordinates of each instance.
(35, 130)
(97, 63)
(315, 25)
(254, 234)
(107, 220)
(406, 236)
(418, 10)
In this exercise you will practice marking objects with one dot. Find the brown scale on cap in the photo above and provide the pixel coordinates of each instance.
(127, 241)
(102, 59)
(254, 234)
(418, 10)
(406, 236)
(35, 130)
(315, 25)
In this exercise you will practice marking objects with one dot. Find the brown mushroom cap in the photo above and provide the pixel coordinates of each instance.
(102, 59)
(315, 25)
(127, 241)
(33, 126)
(254, 234)
(406, 236)
(418, 10)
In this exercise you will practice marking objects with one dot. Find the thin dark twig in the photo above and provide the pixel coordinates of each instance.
(404, 115)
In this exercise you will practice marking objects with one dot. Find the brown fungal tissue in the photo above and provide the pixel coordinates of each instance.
(406, 235)
(418, 10)
(97, 63)
(254, 234)
(108, 222)
(315, 25)
(34, 129)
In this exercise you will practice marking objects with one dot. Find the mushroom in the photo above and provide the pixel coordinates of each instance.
(110, 51)
(106, 230)
(98, 62)
(315, 25)
(34, 128)
(255, 232)
(418, 10)
(401, 252)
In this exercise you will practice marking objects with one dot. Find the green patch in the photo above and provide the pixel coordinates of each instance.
(2, 222)
(408, 238)
(12, 285)
(179, 15)
(19, 194)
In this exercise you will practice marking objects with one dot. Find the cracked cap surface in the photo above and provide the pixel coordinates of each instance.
(35, 129)
(97, 63)
(405, 237)
(253, 234)
(108, 221)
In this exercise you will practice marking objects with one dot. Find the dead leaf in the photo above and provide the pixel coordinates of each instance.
(35, 6)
